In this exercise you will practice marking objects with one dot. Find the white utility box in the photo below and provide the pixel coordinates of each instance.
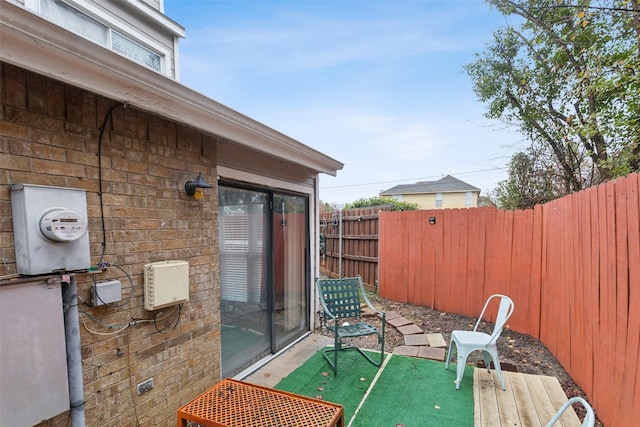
(165, 283)
(106, 292)
(50, 227)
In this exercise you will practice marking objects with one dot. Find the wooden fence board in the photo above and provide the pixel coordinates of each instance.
(440, 270)
(459, 256)
(565, 308)
(393, 235)
(414, 254)
(631, 359)
(533, 324)
(601, 328)
(621, 284)
(501, 266)
(520, 268)
(497, 261)
(550, 318)
(385, 286)
(443, 282)
(476, 256)
(570, 335)
(592, 293)
(582, 244)
(608, 294)
(428, 265)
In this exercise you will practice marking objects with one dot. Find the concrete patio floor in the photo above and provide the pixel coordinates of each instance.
(283, 364)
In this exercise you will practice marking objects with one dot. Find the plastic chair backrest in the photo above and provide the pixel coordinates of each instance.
(589, 418)
(505, 311)
(341, 297)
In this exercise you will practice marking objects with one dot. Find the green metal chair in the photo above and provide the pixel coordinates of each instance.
(341, 301)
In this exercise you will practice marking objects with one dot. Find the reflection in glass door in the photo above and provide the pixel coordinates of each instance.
(289, 268)
(243, 242)
(264, 301)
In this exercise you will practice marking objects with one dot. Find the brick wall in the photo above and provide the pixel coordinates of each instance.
(49, 135)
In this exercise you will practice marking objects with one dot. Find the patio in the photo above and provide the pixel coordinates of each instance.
(530, 400)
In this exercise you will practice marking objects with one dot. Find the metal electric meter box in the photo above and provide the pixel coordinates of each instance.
(50, 227)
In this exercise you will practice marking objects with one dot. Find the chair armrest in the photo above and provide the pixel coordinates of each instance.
(589, 418)
(366, 300)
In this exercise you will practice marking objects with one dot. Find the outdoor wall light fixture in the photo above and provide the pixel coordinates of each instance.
(194, 188)
(432, 220)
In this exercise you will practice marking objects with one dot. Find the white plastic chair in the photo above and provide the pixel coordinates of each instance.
(589, 418)
(468, 341)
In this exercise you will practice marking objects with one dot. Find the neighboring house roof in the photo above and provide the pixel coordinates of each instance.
(33, 43)
(485, 201)
(448, 184)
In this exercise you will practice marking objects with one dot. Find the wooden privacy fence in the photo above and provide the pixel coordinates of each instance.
(351, 242)
(572, 267)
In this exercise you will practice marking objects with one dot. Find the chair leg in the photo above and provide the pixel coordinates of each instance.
(337, 344)
(449, 354)
(336, 347)
(496, 364)
(486, 357)
(462, 361)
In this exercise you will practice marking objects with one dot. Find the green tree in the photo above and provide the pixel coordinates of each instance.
(567, 76)
(382, 201)
(532, 180)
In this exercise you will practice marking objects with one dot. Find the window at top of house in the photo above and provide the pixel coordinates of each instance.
(134, 51)
(468, 199)
(397, 197)
(82, 24)
(438, 200)
(75, 21)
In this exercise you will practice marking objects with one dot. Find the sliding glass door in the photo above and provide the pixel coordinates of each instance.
(244, 303)
(263, 241)
(290, 278)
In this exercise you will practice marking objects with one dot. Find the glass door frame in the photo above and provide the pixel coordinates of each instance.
(269, 268)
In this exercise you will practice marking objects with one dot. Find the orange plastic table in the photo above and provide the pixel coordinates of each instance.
(233, 403)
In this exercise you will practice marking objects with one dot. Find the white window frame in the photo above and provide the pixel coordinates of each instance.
(128, 31)
(439, 200)
(468, 199)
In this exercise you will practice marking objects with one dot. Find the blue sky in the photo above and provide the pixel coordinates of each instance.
(377, 85)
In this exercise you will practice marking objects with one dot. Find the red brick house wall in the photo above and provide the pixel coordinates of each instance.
(49, 135)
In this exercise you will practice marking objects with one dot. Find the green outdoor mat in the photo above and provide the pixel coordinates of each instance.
(315, 378)
(409, 391)
(415, 392)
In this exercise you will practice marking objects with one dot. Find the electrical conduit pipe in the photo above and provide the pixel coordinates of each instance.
(74, 357)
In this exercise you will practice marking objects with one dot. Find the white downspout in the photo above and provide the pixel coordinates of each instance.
(74, 356)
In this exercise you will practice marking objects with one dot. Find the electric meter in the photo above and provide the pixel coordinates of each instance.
(50, 229)
(63, 225)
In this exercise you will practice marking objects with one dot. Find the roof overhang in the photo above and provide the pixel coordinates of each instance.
(30, 42)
